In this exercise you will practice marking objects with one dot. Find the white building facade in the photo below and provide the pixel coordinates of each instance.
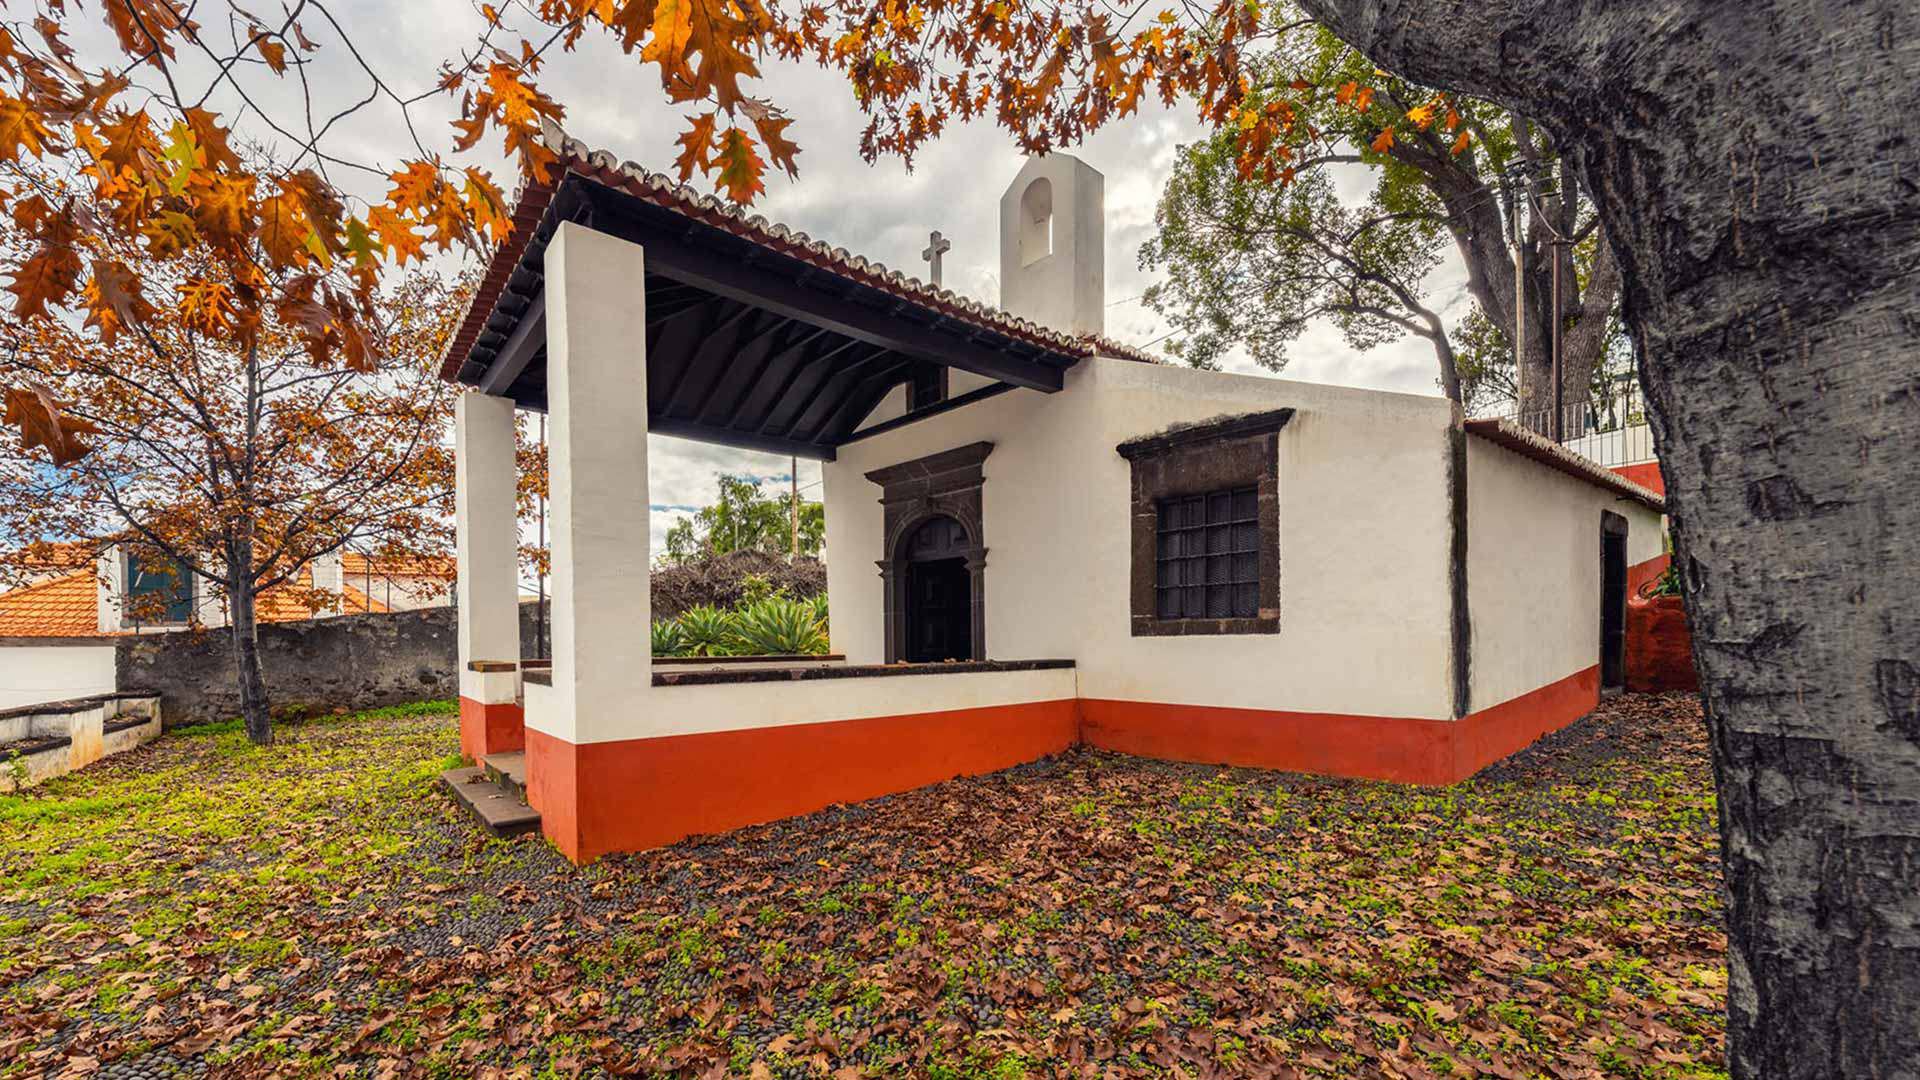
(1035, 538)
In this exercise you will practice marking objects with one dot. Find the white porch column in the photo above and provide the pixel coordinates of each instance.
(597, 488)
(487, 536)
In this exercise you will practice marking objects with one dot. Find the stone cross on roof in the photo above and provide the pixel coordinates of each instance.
(937, 246)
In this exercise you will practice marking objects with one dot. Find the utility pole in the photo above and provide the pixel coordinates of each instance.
(793, 507)
(1519, 306)
(1559, 394)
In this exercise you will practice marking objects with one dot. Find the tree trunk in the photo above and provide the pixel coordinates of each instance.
(1759, 183)
(244, 630)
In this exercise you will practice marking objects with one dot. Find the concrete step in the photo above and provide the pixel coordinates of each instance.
(509, 771)
(500, 810)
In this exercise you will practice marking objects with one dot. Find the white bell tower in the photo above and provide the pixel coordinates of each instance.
(1053, 248)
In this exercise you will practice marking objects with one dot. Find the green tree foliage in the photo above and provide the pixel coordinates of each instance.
(1251, 260)
(743, 517)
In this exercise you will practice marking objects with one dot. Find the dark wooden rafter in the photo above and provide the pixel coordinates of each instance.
(529, 337)
(816, 363)
(860, 399)
(728, 266)
(798, 337)
(840, 375)
(746, 345)
(766, 339)
(716, 325)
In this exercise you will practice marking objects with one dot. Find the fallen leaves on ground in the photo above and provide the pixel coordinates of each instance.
(318, 909)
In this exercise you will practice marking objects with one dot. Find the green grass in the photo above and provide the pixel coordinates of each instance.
(317, 905)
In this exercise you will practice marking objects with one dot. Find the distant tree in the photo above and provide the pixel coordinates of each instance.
(744, 518)
(1251, 258)
(233, 464)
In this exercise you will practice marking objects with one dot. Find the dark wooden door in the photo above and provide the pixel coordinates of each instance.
(1613, 605)
(939, 611)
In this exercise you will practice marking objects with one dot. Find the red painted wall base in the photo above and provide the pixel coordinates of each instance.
(635, 794)
(1403, 749)
(490, 729)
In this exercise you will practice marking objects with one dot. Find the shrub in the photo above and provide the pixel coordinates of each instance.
(778, 626)
(707, 631)
(723, 581)
(668, 638)
(1667, 584)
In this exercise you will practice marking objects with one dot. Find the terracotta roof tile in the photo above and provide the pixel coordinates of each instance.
(356, 564)
(60, 607)
(578, 159)
(1533, 445)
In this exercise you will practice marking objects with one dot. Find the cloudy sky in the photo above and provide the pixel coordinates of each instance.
(880, 210)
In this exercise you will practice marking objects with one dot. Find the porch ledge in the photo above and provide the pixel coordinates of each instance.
(859, 671)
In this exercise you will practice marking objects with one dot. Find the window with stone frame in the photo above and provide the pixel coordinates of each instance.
(1206, 527)
(1207, 563)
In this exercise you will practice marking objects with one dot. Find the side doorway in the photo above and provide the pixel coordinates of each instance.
(1613, 602)
(939, 593)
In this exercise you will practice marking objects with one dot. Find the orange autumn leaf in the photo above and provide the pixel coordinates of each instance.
(396, 234)
(224, 208)
(1383, 142)
(696, 144)
(672, 30)
(1460, 144)
(206, 305)
(283, 229)
(44, 280)
(43, 421)
(114, 300)
(414, 187)
(738, 166)
(21, 128)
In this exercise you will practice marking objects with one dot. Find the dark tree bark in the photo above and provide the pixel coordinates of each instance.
(244, 629)
(1759, 180)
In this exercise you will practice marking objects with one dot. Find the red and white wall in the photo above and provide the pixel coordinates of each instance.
(1533, 586)
(1359, 681)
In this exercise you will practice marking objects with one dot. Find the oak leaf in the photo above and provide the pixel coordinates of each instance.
(45, 279)
(21, 128)
(43, 421)
(739, 167)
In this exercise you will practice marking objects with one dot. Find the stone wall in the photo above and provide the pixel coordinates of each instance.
(346, 662)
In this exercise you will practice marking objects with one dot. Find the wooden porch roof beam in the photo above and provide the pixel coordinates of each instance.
(709, 261)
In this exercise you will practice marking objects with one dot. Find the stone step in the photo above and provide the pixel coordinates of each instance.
(500, 810)
(509, 770)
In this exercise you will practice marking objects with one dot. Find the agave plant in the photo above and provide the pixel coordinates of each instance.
(778, 626)
(818, 602)
(707, 631)
(668, 640)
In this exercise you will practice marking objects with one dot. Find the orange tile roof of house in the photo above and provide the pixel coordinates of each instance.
(66, 606)
(355, 564)
(355, 602)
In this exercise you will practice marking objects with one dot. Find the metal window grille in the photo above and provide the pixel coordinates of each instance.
(1208, 556)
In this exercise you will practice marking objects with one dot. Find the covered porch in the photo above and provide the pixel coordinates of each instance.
(624, 305)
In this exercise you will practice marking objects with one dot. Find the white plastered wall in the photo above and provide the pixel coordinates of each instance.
(597, 477)
(1364, 602)
(1533, 569)
(487, 540)
(35, 674)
